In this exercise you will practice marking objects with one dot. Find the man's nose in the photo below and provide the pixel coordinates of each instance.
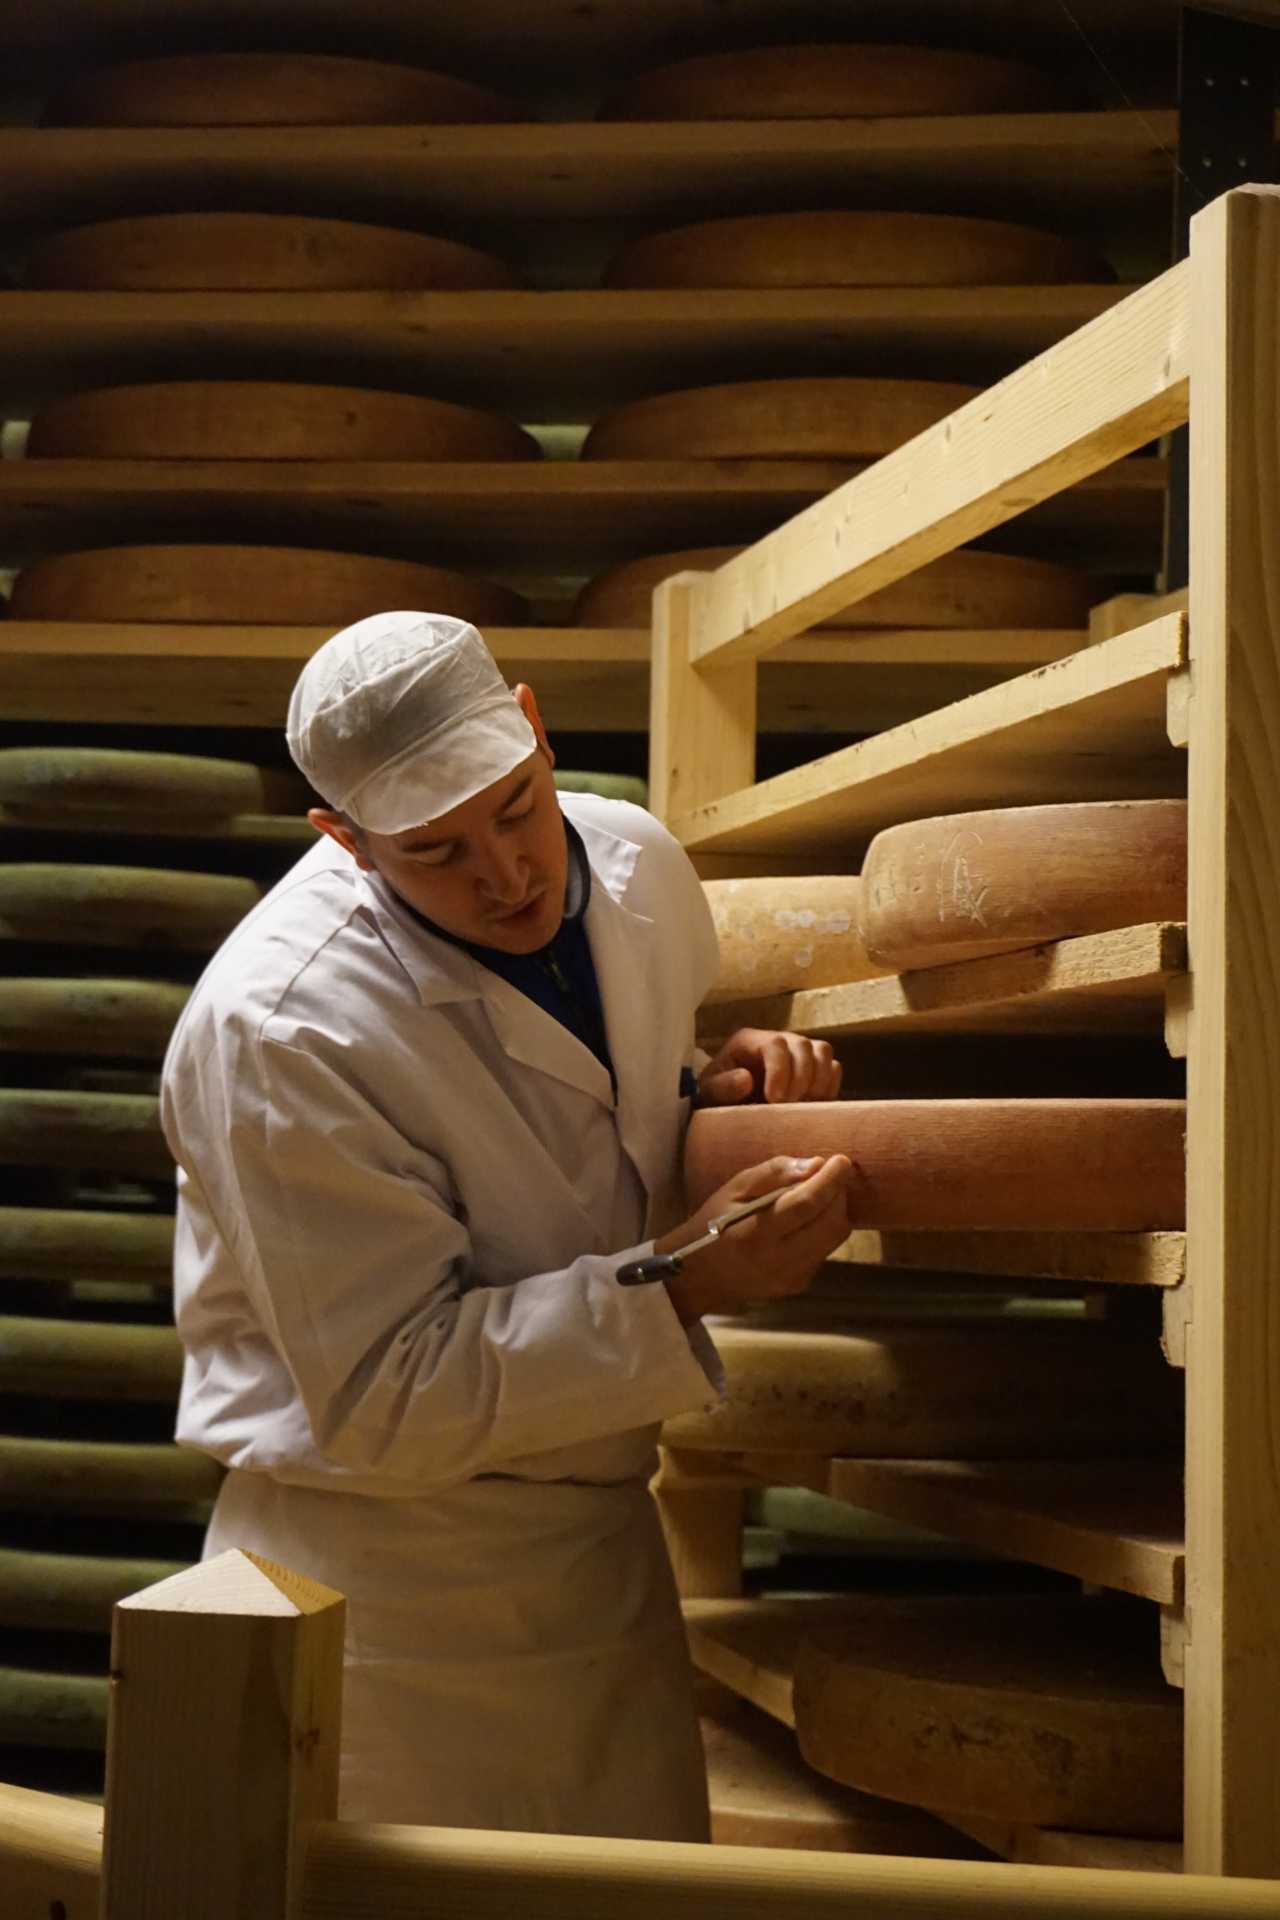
(503, 874)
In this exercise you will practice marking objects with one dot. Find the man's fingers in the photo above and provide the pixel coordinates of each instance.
(812, 1196)
(728, 1088)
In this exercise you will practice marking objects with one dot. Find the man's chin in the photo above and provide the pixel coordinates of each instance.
(526, 931)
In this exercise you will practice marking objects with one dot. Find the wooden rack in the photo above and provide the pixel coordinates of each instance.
(1112, 721)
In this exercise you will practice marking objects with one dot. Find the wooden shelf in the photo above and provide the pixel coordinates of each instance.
(1014, 163)
(1101, 983)
(750, 1646)
(1074, 1259)
(1091, 727)
(549, 355)
(586, 679)
(539, 513)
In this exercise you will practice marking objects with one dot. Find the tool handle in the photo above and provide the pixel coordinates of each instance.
(658, 1266)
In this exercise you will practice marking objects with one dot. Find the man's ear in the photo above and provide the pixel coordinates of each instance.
(529, 708)
(325, 821)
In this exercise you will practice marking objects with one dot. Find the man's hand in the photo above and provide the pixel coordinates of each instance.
(776, 1251)
(757, 1064)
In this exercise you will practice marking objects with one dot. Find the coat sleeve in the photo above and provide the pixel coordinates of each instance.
(408, 1365)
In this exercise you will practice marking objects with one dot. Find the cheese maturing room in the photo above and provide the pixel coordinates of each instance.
(640, 1128)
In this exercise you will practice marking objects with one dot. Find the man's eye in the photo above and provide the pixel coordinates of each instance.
(514, 819)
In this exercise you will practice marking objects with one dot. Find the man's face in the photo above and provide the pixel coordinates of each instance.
(493, 870)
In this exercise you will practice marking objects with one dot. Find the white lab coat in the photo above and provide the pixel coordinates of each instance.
(403, 1194)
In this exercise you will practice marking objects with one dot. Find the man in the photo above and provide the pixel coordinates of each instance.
(425, 1102)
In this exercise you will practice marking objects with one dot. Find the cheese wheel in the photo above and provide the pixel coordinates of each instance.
(84, 1360)
(78, 781)
(269, 420)
(777, 936)
(1070, 1165)
(842, 249)
(249, 585)
(965, 589)
(936, 891)
(808, 82)
(105, 1476)
(114, 1132)
(75, 1592)
(934, 1393)
(117, 1019)
(268, 90)
(775, 420)
(133, 907)
(1038, 1710)
(245, 252)
(62, 1243)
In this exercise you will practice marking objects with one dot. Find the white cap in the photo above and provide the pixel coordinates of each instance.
(402, 717)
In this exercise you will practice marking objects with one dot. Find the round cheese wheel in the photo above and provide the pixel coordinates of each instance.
(263, 252)
(68, 1243)
(775, 420)
(924, 1393)
(841, 249)
(268, 90)
(808, 82)
(936, 891)
(139, 907)
(284, 586)
(1040, 1710)
(269, 420)
(106, 1476)
(123, 1019)
(778, 936)
(1069, 1165)
(965, 589)
(83, 783)
(114, 1132)
(88, 1360)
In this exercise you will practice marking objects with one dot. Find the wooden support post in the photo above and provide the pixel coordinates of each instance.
(1233, 1060)
(702, 1521)
(702, 728)
(223, 1741)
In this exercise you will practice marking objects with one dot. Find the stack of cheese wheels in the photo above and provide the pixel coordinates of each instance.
(254, 252)
(938, 891)
(239, 585)
(269, 420)
(965, 589)
(1069, 1165)
(801, 419)
(269, 90)
(848, 249)
(910, 1392)
(780, 935)
(1036, 1710)
(832, 81)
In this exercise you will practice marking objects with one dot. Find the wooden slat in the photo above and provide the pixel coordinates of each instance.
(50, 1854)
(1091, 727)
(587, 680)
(1119, 1526)
(1053, 1847)
(1093, 1259)
(528, 352)
(582, 171)
(1101, 983)
(555, 513)
(1233, 1052)
(1121, 381)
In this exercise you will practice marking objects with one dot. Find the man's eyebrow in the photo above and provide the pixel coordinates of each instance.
(432, 846)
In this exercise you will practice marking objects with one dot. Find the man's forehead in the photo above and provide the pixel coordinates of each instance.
(481, 806)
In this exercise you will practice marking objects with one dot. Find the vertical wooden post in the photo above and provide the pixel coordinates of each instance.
(222, 1741)
(702, 1524)
(1232, 1648)
(702, 721)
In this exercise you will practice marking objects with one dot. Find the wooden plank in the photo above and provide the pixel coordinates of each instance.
(226, 1695)
(60, 176)
(544, 355)
(1233, 1054)
(50, 1855)
(1120, 381)
(1119, 1528)
(1052, 1847)
(587, 680)
(1101, 983)
(750, 1646)
(1092, 1259)
(702, 726)
(1091, 727)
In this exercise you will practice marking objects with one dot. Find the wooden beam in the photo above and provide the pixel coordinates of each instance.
(1233, 1052)
(50, 1856)
(223, 1740)
(702, 730)
(1091, 727)
(1085, 1259)
(1118, 382)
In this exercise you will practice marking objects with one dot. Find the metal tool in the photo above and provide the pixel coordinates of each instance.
(664, 1266)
